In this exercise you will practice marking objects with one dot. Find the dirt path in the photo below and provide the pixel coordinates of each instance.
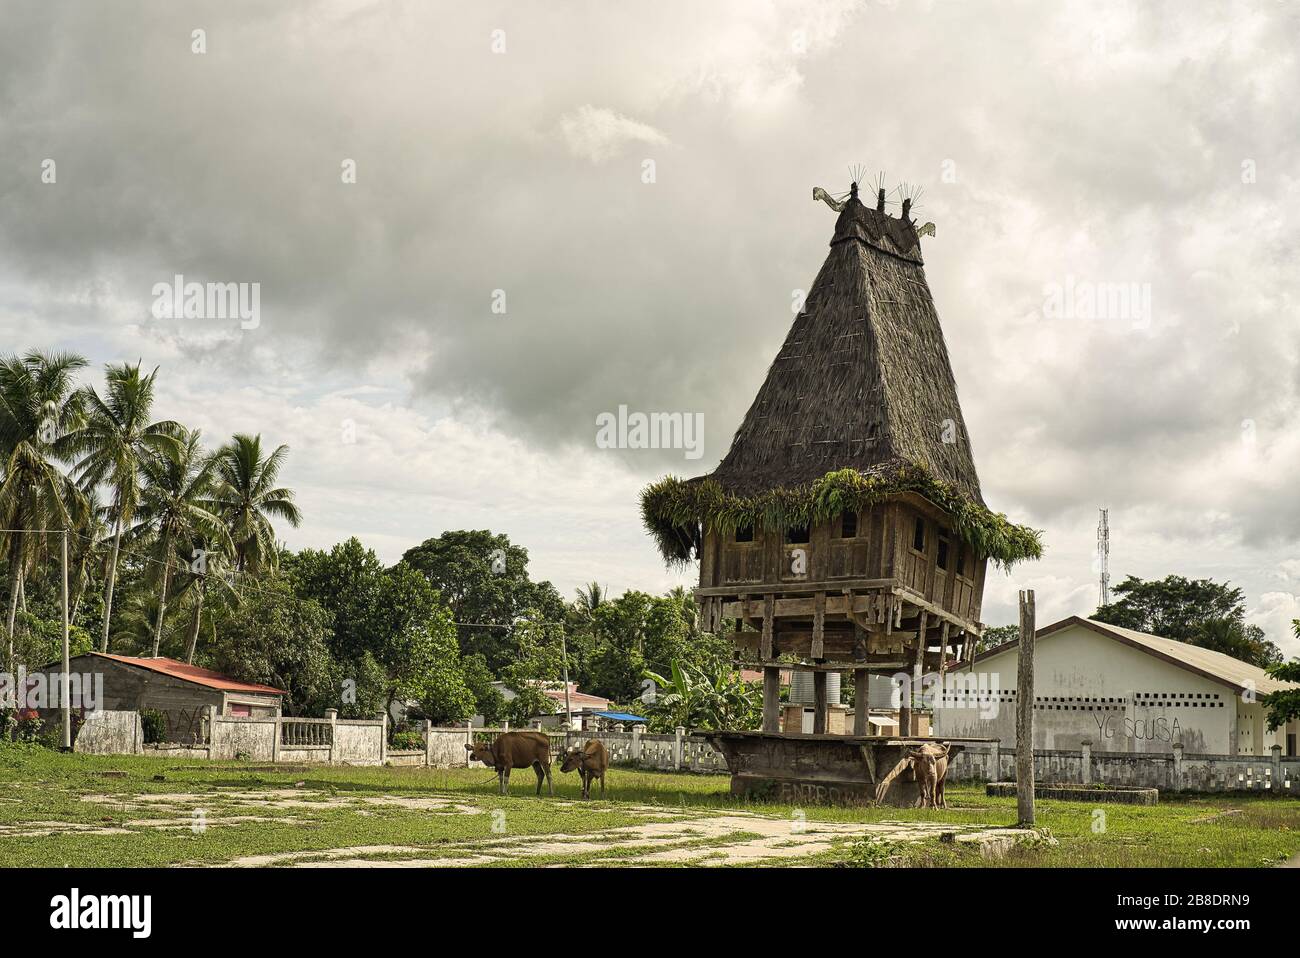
(668, 836)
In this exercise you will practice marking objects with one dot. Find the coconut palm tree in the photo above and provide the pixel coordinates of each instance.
(39, 406)
(176, 508)
(248, 498)
(590, 598)
(114, 442)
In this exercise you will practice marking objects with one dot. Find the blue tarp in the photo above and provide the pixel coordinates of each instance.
(620, 716)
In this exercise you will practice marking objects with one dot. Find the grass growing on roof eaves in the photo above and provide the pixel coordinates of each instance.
(675, 511)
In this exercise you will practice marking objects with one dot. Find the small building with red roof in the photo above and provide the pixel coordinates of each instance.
(179, 691)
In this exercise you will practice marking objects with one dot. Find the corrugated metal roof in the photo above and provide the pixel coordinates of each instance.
(191, 673)
(1211, 664)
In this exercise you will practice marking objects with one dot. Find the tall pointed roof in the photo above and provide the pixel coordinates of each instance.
(863, 380)
(859, 404)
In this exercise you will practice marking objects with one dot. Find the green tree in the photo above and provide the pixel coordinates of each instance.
(248, 499)
(483, 579)
(997, 635)
(277, 638)
(488, 700)
(38, 409)
(1284, 705)
(176, 509)
(390, 630)
(537, 664)
(1200, 612)
(114, 441)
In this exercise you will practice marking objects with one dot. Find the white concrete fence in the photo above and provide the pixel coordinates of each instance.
(1175, 772)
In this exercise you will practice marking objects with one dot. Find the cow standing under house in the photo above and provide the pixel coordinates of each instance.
(591, 761)
(516, 750)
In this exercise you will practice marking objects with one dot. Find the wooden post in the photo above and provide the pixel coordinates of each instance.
(818, 650)
(1025, 712)
(861, 700)
(771, 698)
(65, 701)
(767, 652)
(821, 707)
(918, 670)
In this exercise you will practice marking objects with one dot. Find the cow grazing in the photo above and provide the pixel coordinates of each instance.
(516, 750)
(930, 765)
(591, 761)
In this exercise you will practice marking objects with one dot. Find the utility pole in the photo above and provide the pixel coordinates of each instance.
(1103, 557)
(564, 660)
(65, 698)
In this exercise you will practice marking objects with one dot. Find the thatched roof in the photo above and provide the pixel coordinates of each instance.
(863, 380)
(862, 383)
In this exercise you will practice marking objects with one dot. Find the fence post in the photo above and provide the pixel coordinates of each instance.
(995, 760)
(1276, 784)
(212, 732)
(333, 716)
(428, 743)
(275, 742)
(1085, 763)
(634, 755)
(383, 737)
(678, 734)
(469, 739)
(1178, 766)
(505, 726)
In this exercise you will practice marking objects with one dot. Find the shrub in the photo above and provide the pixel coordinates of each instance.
(154, 725)
(408, 741)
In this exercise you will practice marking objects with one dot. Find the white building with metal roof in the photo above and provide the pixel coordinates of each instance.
(1120, 691)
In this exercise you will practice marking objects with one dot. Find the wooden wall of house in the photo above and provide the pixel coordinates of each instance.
(884, 545)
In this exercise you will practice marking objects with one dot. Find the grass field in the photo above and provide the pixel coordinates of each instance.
(80, 810)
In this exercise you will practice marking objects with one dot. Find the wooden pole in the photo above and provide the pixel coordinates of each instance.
(771, 698)
(66, 682)
(1025, 712)
(861, 705)
(820, 703)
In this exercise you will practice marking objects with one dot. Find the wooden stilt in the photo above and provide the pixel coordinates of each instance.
(861, 703)
(771, 699)
(821, 708)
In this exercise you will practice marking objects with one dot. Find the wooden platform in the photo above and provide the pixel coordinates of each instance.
(819, 769)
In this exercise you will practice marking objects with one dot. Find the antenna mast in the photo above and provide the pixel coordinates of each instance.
(1103, 557)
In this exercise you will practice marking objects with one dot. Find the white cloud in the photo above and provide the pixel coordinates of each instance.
(598, 134)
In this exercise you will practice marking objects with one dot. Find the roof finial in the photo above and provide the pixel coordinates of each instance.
(853, 190)
(907, 209)
(880, 200)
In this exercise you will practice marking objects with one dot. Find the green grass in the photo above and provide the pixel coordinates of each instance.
(37, 786)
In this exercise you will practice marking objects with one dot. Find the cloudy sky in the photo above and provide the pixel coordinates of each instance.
(560, 208)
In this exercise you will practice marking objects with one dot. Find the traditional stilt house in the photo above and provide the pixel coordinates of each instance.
(845, 529)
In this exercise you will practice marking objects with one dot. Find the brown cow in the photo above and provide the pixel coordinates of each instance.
(930, 765)
(591, 761)
(516, 750)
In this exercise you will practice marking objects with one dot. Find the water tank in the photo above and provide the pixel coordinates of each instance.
(801, 687)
